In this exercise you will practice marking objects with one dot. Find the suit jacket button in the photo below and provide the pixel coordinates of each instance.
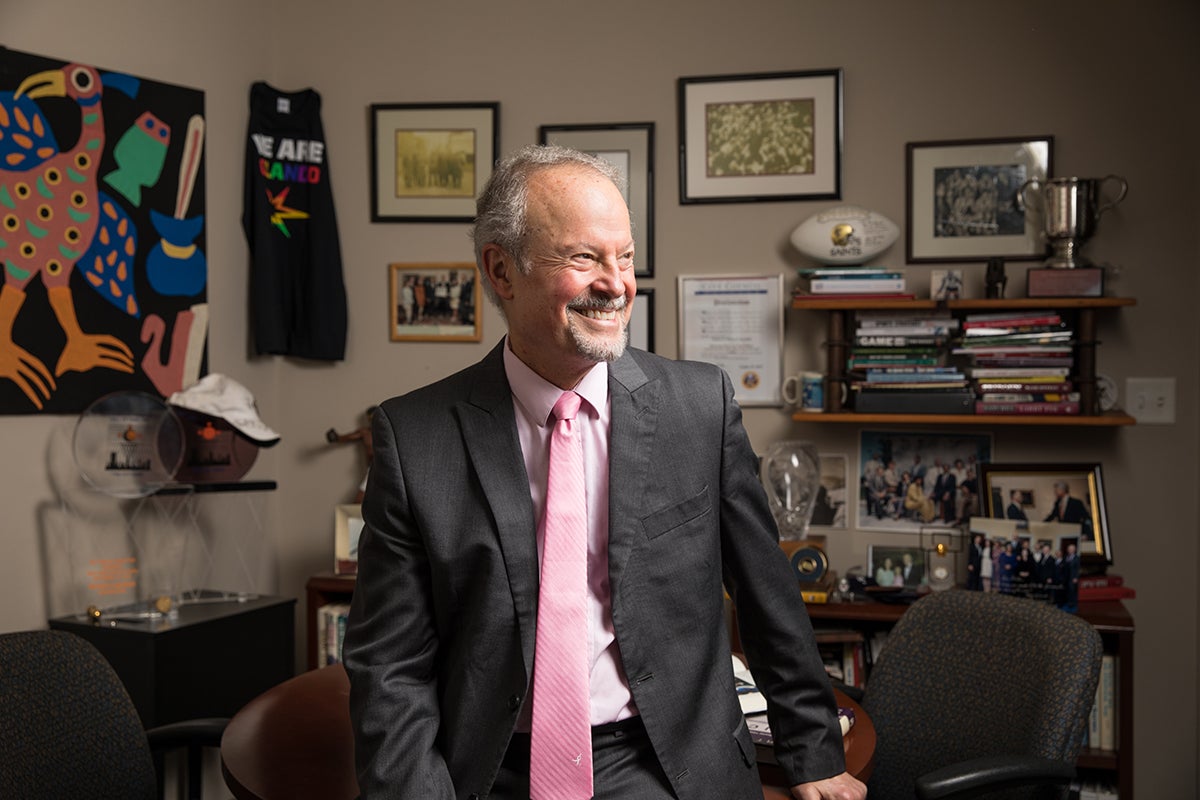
(514, 702)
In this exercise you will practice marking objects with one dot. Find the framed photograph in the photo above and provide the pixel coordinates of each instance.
(641, 324)
(761, 137)
(946, 284)
(629, 146)
(429, 161)
(896, 567)
(1051, 501)
(962, 199)
(910, 480)
(347, 527)
(736, 322)
(829, 509)
(435, 303)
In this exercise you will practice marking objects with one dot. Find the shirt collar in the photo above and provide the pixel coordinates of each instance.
(536, 396)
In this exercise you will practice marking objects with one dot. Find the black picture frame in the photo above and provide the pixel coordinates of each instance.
(986, 222)
(723, 160)
(435, 157)
(1036, 483)
(630, 147)
(641, 325)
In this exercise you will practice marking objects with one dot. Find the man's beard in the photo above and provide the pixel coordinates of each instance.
(594, 348)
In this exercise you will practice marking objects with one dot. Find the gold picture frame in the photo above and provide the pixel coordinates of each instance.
(436, 302)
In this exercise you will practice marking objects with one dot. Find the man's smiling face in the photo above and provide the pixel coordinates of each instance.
(571, 308)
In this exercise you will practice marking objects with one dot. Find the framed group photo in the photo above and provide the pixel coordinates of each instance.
(628, 146)
(760, 137)
(912, 480)
(963, 199)
(434, 302)
(429, 161)
(1051, 501)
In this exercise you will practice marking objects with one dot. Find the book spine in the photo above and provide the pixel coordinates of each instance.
(1009, 321)
(1026, 408)
(1099, 593)
(886, 340)
(855, 285)
(1108, 702)
(1024, 372)
(987, 387)
(1029, 397)
(1094, 581)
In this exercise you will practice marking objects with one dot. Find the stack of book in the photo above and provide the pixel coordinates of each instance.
(897, 366)
(1020, 362)
(1096, 588)
(858, 282)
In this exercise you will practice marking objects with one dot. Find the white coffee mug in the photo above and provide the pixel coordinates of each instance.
(806, 390)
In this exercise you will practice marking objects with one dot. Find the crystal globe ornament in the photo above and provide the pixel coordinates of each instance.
(791, 474)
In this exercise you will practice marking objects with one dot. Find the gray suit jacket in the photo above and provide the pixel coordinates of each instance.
(439, 644)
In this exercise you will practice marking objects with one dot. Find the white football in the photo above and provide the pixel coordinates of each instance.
(845, 235)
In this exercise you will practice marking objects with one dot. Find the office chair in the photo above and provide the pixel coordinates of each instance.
(975, 694)
(68, 728)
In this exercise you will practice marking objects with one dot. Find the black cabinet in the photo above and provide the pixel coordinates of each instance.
(208, 660)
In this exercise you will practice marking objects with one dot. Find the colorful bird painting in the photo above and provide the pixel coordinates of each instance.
(50, 212)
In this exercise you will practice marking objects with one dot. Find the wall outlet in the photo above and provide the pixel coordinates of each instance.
(1151, 401)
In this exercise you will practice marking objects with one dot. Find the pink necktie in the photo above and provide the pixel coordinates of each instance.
(560, 763)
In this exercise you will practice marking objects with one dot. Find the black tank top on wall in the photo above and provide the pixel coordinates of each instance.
(297, 296)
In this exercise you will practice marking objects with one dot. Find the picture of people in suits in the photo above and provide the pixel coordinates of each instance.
(450, 618)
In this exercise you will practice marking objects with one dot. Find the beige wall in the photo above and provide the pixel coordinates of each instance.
(1115, 85)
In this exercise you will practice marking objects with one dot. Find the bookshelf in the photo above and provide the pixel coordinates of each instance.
(840, 311)
(1110, 619)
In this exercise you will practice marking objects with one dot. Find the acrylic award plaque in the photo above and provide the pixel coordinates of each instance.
(128, 444)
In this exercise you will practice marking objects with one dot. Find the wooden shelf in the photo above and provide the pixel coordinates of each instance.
(840, 312)
(1109, 419)
(1006, 304)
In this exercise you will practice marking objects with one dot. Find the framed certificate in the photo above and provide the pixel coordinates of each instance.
(736, 322)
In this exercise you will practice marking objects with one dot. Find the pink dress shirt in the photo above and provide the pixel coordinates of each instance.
(533, 398)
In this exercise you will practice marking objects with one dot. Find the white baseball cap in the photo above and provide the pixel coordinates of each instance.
(221, 396)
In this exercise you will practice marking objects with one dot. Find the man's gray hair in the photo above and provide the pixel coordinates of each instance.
(501, 208)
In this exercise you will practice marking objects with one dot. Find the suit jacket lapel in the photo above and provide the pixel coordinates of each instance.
(490, 436)
(634, 420)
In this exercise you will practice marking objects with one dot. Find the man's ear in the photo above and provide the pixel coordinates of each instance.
(498, 267)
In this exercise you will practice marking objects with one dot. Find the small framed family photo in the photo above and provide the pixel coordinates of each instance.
(435, 303)
(897, 567)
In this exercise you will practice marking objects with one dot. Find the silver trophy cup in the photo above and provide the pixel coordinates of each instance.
(1071, 208)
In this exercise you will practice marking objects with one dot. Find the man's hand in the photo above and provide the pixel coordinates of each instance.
(839, 787)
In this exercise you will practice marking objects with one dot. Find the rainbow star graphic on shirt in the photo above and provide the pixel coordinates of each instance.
(282, 212)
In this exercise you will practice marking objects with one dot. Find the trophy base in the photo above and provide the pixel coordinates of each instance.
(1057, 282)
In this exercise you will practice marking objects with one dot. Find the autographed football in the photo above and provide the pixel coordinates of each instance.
(845, 235)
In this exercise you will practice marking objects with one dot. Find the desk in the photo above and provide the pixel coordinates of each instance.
(208, 661)
(294, 742)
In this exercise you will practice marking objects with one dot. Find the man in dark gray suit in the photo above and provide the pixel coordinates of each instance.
(440, 642)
